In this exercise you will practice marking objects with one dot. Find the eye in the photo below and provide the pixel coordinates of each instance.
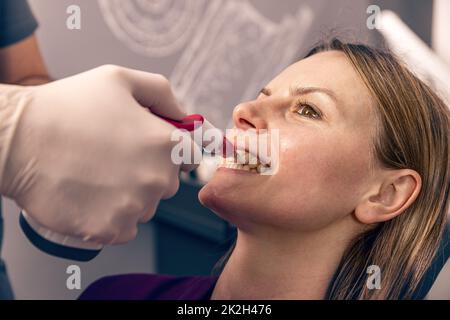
(306, 110)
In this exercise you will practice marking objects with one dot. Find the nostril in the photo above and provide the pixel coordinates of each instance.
(246, 123)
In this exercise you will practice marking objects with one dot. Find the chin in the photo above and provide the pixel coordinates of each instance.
(215, 198)
(227, 204)
(208, 197)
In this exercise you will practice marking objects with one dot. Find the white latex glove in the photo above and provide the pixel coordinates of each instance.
(83, 157)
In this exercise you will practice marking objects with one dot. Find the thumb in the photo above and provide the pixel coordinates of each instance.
(153, 91)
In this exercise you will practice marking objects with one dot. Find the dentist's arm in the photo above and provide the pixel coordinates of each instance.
(83, 156)
(22, 63)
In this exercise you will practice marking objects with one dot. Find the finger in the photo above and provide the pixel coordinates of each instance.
(188, 150)
(172, 188)
(123, 238)
(196, 156)
(154, 92)
(150, 211)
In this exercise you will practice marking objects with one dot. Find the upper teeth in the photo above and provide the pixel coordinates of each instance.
(244, 157)
(244, 161)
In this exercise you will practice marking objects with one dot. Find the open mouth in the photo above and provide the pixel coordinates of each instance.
(245, 161)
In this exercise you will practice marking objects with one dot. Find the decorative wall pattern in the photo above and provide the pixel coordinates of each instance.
(225, 48)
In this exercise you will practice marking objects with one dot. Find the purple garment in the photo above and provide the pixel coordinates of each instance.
(151, 287)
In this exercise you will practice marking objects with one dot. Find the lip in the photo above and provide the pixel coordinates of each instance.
(237, 171)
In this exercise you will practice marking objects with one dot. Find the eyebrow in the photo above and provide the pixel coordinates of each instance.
(298, 91)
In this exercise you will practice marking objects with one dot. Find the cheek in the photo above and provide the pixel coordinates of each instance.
(319, 181)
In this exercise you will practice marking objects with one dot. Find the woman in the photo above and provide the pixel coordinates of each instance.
(362, 182)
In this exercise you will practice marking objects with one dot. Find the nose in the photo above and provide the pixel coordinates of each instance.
(248, 115)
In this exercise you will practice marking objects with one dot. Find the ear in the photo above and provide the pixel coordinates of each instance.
(396, 192)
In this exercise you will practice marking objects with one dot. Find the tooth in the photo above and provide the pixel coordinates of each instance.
(229, 160)
(262, 168)
(241, 156)
(236, 166)
(253, 160)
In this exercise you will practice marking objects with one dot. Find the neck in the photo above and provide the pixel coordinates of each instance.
(282, 265)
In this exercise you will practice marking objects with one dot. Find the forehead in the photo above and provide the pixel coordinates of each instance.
(331, 70)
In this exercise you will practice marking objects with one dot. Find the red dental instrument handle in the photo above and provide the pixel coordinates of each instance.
(189, 123)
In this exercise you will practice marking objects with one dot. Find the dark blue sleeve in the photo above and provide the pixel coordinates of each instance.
(16, 21)
(442, 256)
(5, 287)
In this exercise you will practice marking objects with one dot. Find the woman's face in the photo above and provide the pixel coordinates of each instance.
(325, 119)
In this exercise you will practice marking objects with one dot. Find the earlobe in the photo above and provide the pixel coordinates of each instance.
(368, 211)
(398, 191)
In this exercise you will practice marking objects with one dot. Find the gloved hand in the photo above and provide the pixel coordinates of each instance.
(83, 157)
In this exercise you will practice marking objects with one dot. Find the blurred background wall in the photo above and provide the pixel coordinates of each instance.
(216, 53)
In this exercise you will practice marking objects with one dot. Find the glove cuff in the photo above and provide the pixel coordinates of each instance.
(13, 100)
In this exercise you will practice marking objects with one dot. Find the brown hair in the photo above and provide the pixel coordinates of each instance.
(413, 133)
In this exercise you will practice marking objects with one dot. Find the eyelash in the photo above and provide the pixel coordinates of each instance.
(300, 105)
